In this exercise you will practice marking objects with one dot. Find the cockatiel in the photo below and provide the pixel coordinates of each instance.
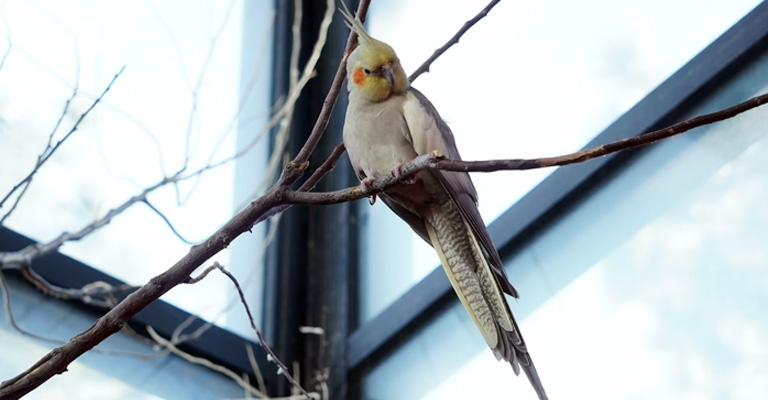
(389, 123)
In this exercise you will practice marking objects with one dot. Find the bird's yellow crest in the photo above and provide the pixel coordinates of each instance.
(373, 68)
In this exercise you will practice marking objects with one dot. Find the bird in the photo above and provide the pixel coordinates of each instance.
(389, 123)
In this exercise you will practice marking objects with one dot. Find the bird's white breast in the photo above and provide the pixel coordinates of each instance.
(375, 135)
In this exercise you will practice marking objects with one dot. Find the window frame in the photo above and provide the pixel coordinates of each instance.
(216, 344)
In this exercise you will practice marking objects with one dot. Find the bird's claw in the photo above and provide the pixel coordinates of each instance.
(397, 171)
(365, 184)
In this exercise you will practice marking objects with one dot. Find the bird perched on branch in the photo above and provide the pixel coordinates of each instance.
(389, 123)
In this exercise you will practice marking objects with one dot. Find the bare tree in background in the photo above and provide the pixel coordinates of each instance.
(269, 204)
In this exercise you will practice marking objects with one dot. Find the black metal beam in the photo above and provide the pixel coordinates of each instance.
(216, 344)
(285, 266)
(332, 238)
(308, 270)
(678, 93)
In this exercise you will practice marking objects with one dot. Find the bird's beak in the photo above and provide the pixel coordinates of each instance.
(388, 74)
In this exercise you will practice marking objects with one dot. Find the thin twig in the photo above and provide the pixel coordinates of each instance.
(176, 335)
(281, 137)
(202, 275)
(7, 40)
(290, 101)
(281, 367)
(330, 98)
(237, 120)
(167, 222)
(248, 382)
(87, 294)
(25, 256)
(6, 295)
(204, 362)
(12, 320)
(198, 86)
(322, 170)
(50, 150)
(424, 67)
(255, 367)
(310, 183)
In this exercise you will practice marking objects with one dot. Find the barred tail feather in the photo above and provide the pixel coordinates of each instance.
(476, 286)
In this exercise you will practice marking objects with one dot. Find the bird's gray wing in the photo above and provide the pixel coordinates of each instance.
(428, 133)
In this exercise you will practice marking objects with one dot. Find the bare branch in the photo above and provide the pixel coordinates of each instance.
(9, 314)
(50, 150)
(204, 362)
(281, 138)
(200, 277)
(94, 293)
(167, 222)
(6, 295)
(271, 354)
(310, 183)
(436, 161)
(7, 40)
(287, 106)
(40, 160)
(322, 170)
(58, 359)
(330, 98)
(424, 67)
(200, 79)
(25, 256)
(255, 368)
(281, 367)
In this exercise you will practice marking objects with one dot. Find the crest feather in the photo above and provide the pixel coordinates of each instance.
(354, 24)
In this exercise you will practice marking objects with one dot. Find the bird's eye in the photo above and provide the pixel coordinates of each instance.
(367, 71)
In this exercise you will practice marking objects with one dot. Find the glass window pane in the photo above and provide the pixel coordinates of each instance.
(500, 87)
(654, 287)
(192, 79)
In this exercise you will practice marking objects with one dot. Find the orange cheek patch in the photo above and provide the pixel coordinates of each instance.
(358, 77)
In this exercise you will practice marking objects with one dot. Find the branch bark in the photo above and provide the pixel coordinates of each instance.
(57, 360)
(424, 67)
(436, 161)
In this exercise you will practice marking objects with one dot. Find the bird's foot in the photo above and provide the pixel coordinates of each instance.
(397, 171)
(365, 184)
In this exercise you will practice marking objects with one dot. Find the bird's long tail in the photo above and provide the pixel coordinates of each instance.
(475, 284)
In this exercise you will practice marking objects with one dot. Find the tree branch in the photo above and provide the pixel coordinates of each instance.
(57, 360)
(282, 369)
(330, 98)
(24, 257)
(49, 149)
(436, 161)
(310, 183)
(424, 67)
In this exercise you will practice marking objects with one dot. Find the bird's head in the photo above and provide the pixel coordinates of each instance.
(373, 69)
